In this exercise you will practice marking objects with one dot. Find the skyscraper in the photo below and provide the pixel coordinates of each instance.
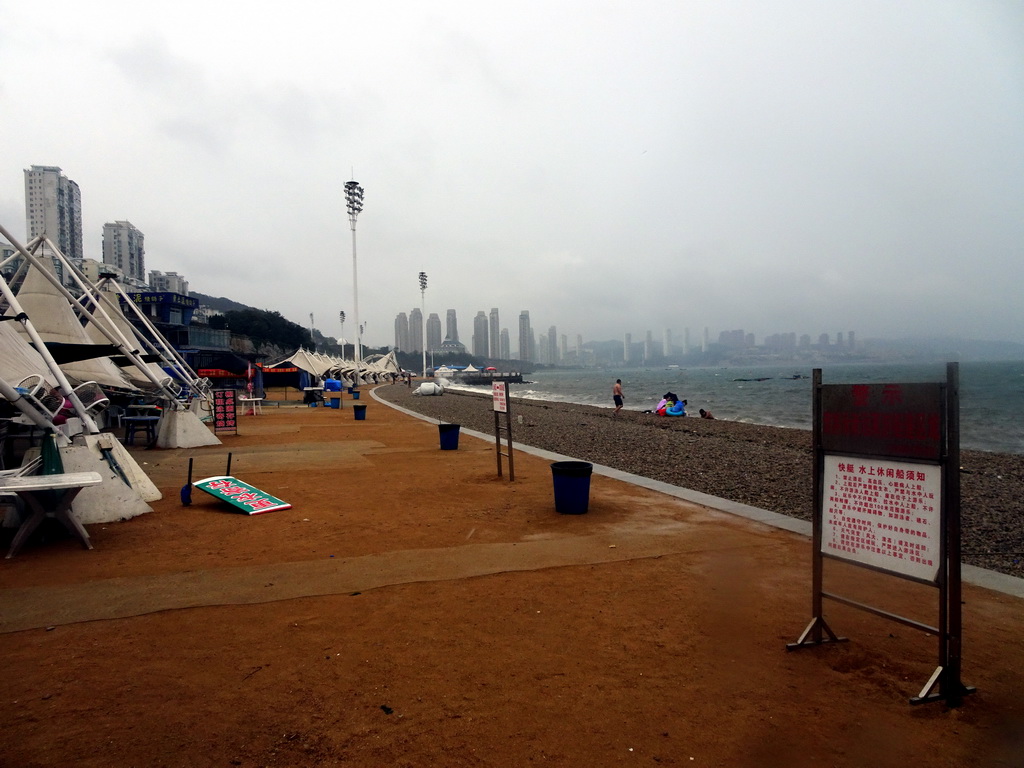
(53, 206)
(434, 332)
(124, 248)
(451, 326)
(525, 337)
(505, 345)
(494, 336)
(481, 335)
(552, 356)
(627, 342)
(416, 330)
(402, 333)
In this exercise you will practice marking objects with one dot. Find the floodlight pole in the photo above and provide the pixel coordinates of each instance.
(423, 318)
(354, 203)
(341, 317)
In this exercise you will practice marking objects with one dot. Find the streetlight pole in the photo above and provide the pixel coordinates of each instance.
(341, 316)
(354, 203)
(423, 312)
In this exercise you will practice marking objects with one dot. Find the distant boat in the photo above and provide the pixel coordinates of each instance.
(672, 368)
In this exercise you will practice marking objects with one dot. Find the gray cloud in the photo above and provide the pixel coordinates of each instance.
(791, 166)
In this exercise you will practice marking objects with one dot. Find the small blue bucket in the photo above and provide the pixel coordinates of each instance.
(360, 411)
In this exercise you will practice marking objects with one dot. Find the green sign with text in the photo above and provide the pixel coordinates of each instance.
(247, 498)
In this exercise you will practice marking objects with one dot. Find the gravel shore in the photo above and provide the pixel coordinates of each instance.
(765, 467)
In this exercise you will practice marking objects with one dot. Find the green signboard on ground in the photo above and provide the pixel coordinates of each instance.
(248, 499)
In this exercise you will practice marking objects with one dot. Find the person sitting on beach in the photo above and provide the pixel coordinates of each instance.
(706, 414)
(676, 409)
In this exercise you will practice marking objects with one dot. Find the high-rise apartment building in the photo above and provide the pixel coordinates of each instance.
(451, 327)
(552, 356)
(402, 333)
(434, 332)
(416, 331)
(504, 345)
(494, 334)
(53, 207)
(666, 342)
(124, 248)
(525, 336)
(627, 342)
(481, 335)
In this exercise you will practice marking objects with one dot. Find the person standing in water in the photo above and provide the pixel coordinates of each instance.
(617, 396)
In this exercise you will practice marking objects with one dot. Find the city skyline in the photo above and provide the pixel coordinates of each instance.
(794, 166)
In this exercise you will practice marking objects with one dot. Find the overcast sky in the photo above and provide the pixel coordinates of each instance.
(776, 166)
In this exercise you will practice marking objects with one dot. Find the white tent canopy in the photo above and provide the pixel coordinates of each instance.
(56, 321)
(317, 364)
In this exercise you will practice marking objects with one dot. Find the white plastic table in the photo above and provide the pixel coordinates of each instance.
(253, 402)
(29, 489)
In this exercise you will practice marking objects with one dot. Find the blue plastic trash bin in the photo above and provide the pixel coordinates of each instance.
(355, 394)
(572, 486)
(360, 411)
(449, 434)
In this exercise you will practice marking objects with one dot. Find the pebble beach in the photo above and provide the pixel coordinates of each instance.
(765, 467)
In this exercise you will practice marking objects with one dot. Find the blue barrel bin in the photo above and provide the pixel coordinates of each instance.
(572, 486)
(360, 412)
(449, 434)
(335, 402)
(354, 393)
(351, 390)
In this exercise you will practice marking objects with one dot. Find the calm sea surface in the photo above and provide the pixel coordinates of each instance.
(991, 394)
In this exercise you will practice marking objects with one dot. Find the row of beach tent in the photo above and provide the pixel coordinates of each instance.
(65, 355)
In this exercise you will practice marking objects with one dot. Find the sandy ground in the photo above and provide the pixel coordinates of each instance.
(414, 609)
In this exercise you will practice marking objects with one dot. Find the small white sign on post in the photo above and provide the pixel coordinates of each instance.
(499, 391)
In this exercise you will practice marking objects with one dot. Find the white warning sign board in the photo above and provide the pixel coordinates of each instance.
(499, 391)
(884, 514)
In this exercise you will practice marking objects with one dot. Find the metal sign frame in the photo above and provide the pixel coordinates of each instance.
(502, 404)
(876, 431)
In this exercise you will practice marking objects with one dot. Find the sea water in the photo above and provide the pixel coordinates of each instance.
(991, 394)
